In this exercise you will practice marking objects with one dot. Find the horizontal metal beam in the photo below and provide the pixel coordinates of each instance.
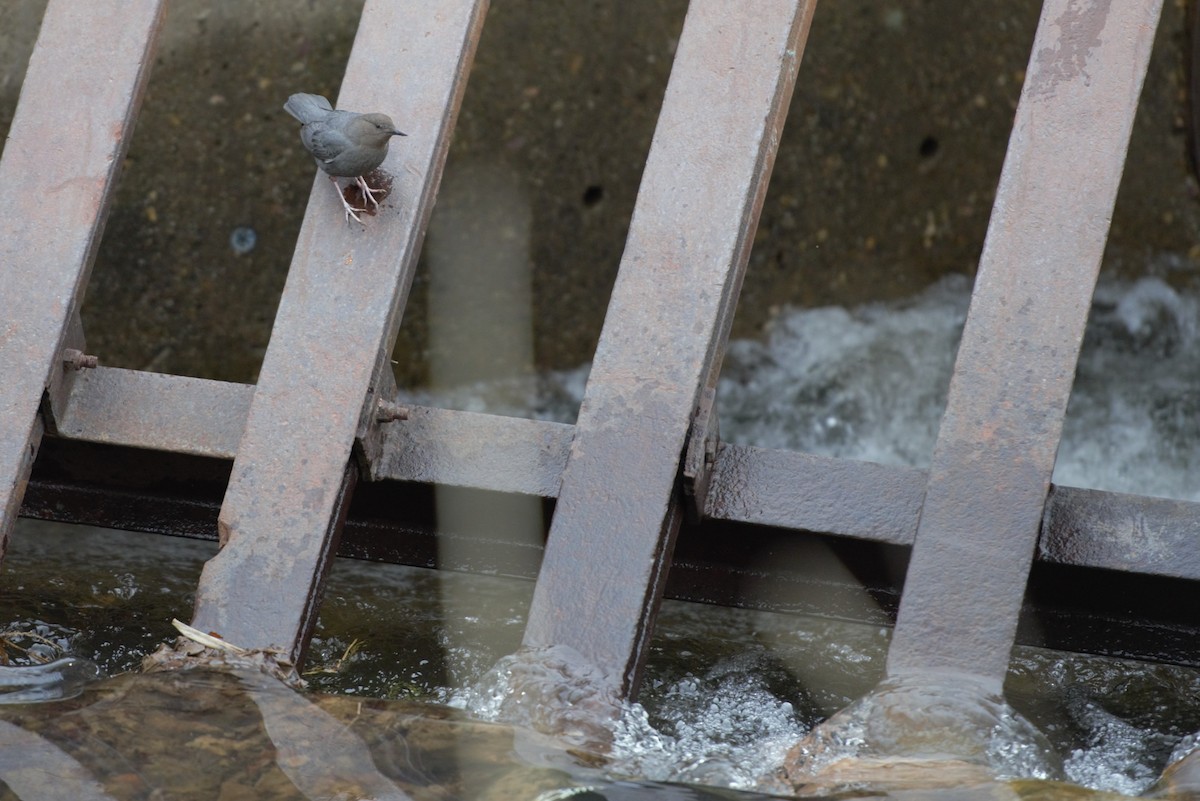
(1070, 605)
(159, 412)
(1114, 531)
(804, 491)
(760, 486)
(465, 449)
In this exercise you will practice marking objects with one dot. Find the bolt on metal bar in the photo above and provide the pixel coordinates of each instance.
(337, 319)
(996, 447)
(666, 329)
(56, 182)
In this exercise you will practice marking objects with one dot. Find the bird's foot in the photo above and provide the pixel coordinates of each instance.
(350, 210)
(367, 191)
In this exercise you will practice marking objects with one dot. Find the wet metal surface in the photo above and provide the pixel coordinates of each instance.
(144, 490)
(996, 446)
(56, 181)
(760, 486)
(1089, 528)
(337, 319)
(816, 493)
(620, 504)
(665, 332)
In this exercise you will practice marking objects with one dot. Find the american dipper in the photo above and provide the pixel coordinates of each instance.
(345, 144)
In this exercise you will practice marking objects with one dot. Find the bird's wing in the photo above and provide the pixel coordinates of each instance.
(324, 141)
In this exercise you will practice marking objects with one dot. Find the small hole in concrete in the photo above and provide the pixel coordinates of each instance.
(929, 146)
(593, 195)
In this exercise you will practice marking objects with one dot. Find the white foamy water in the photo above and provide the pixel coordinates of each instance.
(870, 383)
(724, 727)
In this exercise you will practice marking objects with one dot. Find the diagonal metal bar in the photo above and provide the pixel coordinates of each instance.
(56, 182)
(665, 333)
(337, 319)
(996, 446)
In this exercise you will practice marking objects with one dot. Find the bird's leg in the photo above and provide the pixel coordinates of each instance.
(367, 191)
(350, 210)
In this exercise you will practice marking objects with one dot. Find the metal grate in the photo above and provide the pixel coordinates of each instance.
(318, 446)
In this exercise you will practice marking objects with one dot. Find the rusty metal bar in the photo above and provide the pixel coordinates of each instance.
(337, 319)
(56, 182)
(1114, 531)
(666, 329)
(996, 446)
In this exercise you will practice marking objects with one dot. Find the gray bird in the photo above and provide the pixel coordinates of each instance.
(345, 144)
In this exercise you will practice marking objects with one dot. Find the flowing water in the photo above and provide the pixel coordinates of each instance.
(727, 692)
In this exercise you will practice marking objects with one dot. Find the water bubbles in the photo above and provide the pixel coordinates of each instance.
(1118, 756)
(862, 383)
(728, 727)
(1154, 316)
(127, 586)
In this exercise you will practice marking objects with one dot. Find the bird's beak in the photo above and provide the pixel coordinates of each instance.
(399, 133)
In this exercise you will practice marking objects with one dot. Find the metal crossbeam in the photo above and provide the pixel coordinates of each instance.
(759, 486)
(56, 182)
(1016, 362)
(160, 412)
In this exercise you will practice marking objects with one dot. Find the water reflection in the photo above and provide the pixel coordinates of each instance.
(239, 734)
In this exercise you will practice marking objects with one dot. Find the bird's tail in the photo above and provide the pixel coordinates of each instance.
(306, 107)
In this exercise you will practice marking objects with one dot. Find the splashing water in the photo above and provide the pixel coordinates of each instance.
(870, 383)
(930, 724)
(725, 728)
